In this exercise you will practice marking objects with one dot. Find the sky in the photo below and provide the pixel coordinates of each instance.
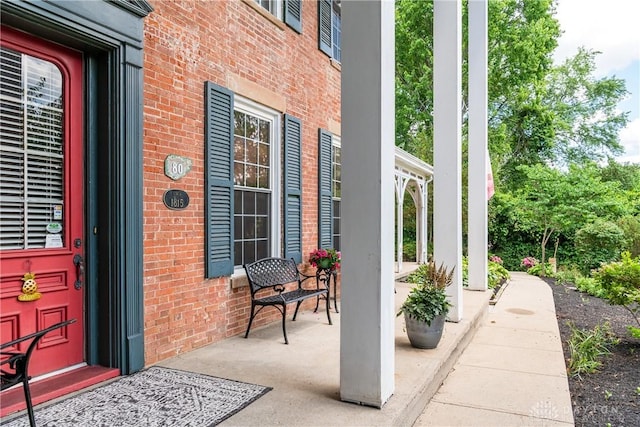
(610, 27)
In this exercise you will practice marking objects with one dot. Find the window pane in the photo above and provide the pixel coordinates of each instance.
(249, 251)
(237, 201)
(249, 200)
(249, 231)
(251, 176)
(252, 127)
(238, 173)
(252, 152)
(237, 227)
(263, 178)
(262, 249)
(263, 155)
(238, 149)
(265, 131)
(262, 203)
(237, 253)
(239, 124)
(336, 226)
(262, 227)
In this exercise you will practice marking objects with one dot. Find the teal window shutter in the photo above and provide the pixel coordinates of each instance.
(219, 180)
(324, 26)
(293, 14)
(292, 188)
(325, 196)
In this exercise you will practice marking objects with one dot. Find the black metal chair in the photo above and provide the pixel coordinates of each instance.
(19, 363)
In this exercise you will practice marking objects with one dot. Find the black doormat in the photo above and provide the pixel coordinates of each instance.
(153, 397)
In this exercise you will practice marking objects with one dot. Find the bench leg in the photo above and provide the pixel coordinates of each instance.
(296, 312)
(329, 308)
(284, 324)
(253, 307)
(27, 399)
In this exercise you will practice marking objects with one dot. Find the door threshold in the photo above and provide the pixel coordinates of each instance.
(58, 385)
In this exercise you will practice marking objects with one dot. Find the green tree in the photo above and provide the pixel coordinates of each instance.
(414, 76)
(585, 115)
(538, 113)
(552, 201)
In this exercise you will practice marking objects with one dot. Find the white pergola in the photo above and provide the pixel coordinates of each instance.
(412, 175)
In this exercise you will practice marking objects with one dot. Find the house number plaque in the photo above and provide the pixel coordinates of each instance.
(176, 199)
(175, 167)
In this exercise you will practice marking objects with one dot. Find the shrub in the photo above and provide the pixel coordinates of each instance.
(568, 275)
(598, 242)
(620, 282)
(537, 270)
(496, 274)
(631, 227)
(590, 286)
(528, 262)
(496, 259)
(465, 271)
(409, 251)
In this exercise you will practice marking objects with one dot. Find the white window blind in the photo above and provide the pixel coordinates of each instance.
(31, 149)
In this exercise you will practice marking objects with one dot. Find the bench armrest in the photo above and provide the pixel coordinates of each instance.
(38, 334)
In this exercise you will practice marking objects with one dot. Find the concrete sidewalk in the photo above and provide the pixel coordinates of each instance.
(513, 372)
(509, 368)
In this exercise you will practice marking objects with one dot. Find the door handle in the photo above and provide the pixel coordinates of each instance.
(79, 263)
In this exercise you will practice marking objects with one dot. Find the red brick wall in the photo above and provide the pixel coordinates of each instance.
(186, 44)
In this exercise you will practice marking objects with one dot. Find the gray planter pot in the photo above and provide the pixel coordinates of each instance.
(422, 335)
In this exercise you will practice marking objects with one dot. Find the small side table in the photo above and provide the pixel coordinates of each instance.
(324, 275)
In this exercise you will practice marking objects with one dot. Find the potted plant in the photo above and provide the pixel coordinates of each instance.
(426, 306)
(325, 259)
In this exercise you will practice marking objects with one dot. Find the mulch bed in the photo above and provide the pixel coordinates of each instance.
(611, 395)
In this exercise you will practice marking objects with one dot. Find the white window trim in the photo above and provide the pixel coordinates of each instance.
(247, 106)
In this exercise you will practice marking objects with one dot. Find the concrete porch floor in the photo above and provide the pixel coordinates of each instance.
(511, 372)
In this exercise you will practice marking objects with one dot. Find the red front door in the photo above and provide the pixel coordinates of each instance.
(41, 198)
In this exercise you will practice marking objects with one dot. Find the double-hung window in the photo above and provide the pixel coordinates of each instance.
(253, 199)
(336, 189)
(256, 169)
(329, 28)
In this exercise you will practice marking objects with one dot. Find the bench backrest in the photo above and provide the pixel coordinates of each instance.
(271, 273)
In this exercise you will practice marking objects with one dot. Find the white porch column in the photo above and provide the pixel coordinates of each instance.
(477, 221)
(367, 341)
(447, 101)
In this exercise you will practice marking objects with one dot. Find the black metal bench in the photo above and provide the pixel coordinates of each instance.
(268, 277)
(19, 363)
